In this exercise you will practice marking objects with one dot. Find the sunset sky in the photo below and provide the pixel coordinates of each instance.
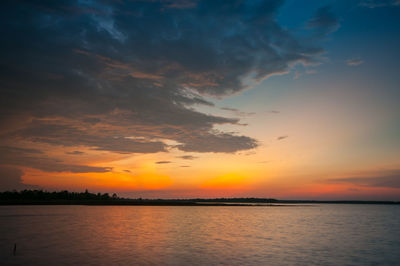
(188, 98)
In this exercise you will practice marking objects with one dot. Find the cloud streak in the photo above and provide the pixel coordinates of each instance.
(237, 112)
(281, 137)
(354, 62)
(387, 179)
(188, 157)
(18, 157)
(163, 162)
(379, 3)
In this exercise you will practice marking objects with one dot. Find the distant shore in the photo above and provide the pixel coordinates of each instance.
(40, 197)
(195, 202)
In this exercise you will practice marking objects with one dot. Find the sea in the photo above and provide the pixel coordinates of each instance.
(304, 234)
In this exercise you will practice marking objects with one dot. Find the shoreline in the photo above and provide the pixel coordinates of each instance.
(197, 202)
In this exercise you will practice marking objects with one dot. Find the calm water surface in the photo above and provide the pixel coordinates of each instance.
(204, 235)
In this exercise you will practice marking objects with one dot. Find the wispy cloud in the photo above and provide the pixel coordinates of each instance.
(237, 112)
(11, 156)
(75, 152)
(390, 179)
(163, 162)
(187, 157)
(379, 3)
(274, 112)
(323, 22)
(179, 3)
(356, 61)
(281, 137)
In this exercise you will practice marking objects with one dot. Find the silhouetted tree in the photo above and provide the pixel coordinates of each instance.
(61, 195)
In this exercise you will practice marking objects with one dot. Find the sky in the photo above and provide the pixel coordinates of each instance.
(202, 98)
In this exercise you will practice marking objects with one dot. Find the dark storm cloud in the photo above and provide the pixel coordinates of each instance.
(11, 179)
(324, 21)
(389, 179)
(124, 76)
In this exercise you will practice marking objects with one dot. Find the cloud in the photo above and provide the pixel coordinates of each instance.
(11, 179)
(218, 142)
(354, 61)
(379, 3)
(323, 22)
(281, 137)
(298, 73)
(389, 179)
(163, 162)
(229, 109)
(75, 152)
(67, 135)
(237, 112)
(187, 157)
(179, 3)
(125, 76)
(14, 156)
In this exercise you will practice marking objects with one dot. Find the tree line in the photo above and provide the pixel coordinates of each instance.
(55, 195)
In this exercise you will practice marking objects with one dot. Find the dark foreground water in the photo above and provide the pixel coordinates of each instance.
(208, 235)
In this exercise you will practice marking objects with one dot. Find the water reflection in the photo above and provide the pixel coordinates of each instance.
(206, 235)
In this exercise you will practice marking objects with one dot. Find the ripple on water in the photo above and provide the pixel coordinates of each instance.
(200, 235)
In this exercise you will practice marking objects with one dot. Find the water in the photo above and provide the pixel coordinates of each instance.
(203, 235)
